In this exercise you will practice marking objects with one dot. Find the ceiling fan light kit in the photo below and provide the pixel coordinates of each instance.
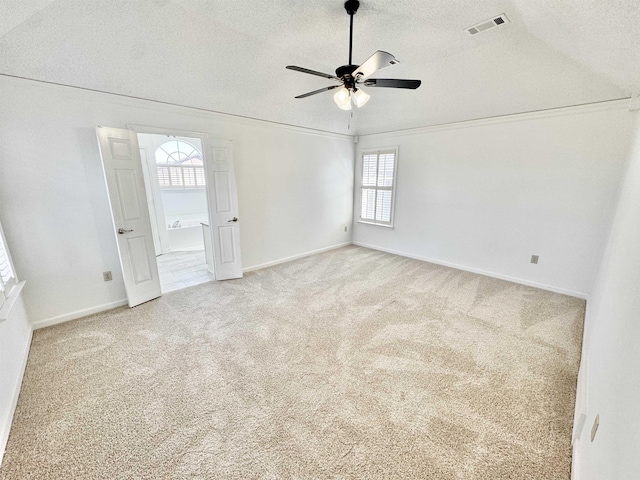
(343, 99)
(360, 97)
(351, 77)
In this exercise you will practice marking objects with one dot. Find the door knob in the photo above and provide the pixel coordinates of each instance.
(122, 231)
(234, 219)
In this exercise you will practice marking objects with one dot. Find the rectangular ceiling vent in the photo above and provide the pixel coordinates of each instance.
(489, 24)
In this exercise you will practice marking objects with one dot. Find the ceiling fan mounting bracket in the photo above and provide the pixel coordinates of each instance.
(351, 6)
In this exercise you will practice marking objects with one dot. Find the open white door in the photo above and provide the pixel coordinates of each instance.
(223, 211)
(123, 172)
(148, 188)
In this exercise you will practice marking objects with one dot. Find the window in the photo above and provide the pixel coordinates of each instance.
(179, 165)
(378, 183)
(7, 273)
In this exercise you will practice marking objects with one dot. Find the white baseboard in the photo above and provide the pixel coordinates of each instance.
(47, 322)
(294, 257)
(500, 276)
(5, 426)
(575, 463)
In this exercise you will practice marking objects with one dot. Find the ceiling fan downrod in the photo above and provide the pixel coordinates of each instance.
(351, 6)
(344, 72)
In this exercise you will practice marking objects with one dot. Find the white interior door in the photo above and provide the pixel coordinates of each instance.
(148, 188)
(123, 172)
(223, 211)
(154, 198)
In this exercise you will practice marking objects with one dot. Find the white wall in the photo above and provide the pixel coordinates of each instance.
(486, 195)
(611, 348)
(294, 185)
(15, 340)
(184, 205)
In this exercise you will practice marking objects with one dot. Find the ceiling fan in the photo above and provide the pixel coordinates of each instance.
(352, 77)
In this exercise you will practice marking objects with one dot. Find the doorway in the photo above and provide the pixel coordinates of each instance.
(176, 190)
(130, 196)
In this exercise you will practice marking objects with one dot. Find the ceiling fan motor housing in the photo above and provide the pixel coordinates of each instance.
(344, 73)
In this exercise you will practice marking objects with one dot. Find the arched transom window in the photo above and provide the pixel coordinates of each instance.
(179, 165)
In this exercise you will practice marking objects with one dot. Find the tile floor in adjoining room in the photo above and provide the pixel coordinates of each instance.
(180, 269)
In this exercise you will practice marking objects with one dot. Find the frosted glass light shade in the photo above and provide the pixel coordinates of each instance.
(360, 97)
(343, 99)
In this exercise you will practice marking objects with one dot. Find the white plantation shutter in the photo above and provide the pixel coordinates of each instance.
(163, 177)
(175, 174)
(179, 166)
(369, 170)
(378, 182)
(189, 176)
(383, 206)
(386, 164)
(181, 177)
(200, 181)
(368, 203)
(7, 274)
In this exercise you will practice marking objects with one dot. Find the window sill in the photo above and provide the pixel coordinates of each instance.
(8, 304)
(376, 224)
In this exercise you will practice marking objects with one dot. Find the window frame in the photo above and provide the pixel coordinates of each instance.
(180, 168)
(378, 152)
(6, 289)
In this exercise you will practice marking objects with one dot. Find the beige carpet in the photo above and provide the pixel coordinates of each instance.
(352, 364)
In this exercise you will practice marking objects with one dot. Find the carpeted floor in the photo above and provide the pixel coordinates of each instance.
(351, 364)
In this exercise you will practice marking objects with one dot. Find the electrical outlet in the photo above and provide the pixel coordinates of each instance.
(107, 276)
(534, 259)
(594, 429)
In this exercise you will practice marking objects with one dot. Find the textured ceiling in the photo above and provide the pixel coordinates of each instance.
(229, 56)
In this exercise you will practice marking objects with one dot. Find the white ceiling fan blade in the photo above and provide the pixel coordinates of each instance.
(374, 63)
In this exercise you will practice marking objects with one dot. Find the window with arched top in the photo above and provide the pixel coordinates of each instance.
(179, 165)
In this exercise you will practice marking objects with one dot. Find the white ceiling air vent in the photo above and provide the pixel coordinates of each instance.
(494, 22)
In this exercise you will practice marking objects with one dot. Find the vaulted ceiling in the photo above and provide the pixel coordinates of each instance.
(229, 55)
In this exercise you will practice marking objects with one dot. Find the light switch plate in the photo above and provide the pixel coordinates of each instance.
(107, 276)
(534, 259)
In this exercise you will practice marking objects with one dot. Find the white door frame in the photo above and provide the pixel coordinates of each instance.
(154, 191)
(208, 162)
